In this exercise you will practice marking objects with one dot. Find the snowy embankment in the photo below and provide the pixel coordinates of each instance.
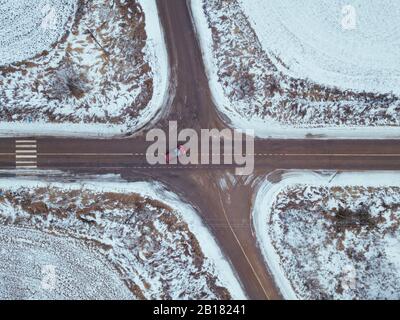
(331, 236)
(154, 242)
(156, 53)
(287, 84)
(104, 71)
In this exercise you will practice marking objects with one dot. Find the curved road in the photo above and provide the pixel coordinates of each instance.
(225, 207)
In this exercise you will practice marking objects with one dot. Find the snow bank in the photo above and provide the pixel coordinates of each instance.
(156, 53)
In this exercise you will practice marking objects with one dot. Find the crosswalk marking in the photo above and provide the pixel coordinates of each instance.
(27, 151)
(25, 141)
(26, 154)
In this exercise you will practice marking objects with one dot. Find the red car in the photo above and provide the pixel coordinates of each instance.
(176, 153)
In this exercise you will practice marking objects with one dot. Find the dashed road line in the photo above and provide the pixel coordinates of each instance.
(91, 154)
(25, 154)
(251, 154)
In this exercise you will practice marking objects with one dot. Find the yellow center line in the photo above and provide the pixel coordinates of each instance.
(242, 249)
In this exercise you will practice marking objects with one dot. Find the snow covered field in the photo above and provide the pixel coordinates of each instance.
(289, 70)
(141, 239)
(103, 70)
(331, 236)
(20, 36)
(27, 255)
(314, 41)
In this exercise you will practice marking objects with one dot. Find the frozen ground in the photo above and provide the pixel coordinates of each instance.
(254, 86)
(106, 75)
(144, 235)
(332, 236)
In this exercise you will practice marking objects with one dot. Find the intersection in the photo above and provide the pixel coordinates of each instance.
(227, 211)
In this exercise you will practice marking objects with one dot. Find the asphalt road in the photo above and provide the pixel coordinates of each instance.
(226, 211)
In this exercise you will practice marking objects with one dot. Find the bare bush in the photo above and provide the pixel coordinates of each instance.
(67, 82)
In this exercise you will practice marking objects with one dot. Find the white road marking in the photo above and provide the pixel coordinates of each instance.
(25, 162)
(26, 156)
(91, 154)
(222, 154)
(27, 151)
(25, 141)
(25, 146)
